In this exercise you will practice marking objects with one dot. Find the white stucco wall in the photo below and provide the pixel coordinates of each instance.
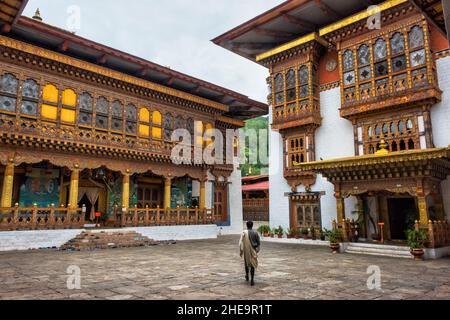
(440, 118)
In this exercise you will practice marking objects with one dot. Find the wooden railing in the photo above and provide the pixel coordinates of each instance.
(438, 233)
(256, 209)
(143, 217)
(34, 218)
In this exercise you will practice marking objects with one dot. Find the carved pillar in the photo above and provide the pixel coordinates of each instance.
(340, 207)
(423, 209)
(362, 217)
(73, 192)
(8, 181)
(384, 216)
(126, 190)
(439, 206)
(202, 194)
(428, 128)
(294, 214)
(167, 192)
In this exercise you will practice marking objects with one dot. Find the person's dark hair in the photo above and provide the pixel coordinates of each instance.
(249, 225)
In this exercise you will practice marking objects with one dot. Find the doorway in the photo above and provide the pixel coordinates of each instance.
(403, 212)
(221, 202)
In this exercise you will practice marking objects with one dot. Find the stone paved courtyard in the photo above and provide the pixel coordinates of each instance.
(213, 270)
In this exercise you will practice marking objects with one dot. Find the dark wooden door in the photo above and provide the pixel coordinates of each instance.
(221, 202)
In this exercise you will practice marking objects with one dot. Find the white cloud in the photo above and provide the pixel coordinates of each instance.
(174, 33)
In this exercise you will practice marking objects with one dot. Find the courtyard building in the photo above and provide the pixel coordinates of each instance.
(86, 135)
(360, 105)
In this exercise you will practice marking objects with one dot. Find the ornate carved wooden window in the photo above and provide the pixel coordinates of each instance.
(156, 125)
(144, 122)
(392, 63)
(131, 118)
(69, 104)
(279, 95)
(50, 98)
(117, 116)
(208, 132)
(30, 98)
(305, 211)
(86, 108)
(8, 93)
(168, 126)
(296, 150)
(190, 128)
(400, 133)
(102, 111)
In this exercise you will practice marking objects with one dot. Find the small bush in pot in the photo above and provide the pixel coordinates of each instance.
(291, 233)
(264, 230)
(279, 232)
(304, 232)
(334, 236)
(416, 242)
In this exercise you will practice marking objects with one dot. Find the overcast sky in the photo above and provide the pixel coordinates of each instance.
(173, 33)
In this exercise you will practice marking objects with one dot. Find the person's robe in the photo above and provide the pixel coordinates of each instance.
(249, 247)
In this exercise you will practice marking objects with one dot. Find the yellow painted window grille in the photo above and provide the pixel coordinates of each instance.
(144, 122)
(49, 112)
(50, 94)
(156, 122)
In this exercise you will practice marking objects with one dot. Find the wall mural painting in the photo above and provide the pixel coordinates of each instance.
(41, 187)
(181, 193)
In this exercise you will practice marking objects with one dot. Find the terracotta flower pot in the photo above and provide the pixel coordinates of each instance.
(266, 234)
(272, 235)
(280, 236)
(335, 247)
(289, 236)
(418, 254)
(297, 236)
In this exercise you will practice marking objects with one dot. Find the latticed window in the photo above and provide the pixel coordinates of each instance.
(131, 118)
(50, 98)
(156, 125)
(30, 97)
(296, 150)
(303, 81)
(399, 134)
(117, 116)
(69, 104)
(8, 92)
(168, 126)
(144, 122)
(101, 110)
(86, 108)
(364, 71)
(190, 128)
(290, 86)
(279, 89)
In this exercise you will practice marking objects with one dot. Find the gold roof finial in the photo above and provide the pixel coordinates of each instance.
(37, 15)
(383, 147)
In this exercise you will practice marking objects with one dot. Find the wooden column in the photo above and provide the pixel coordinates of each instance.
(423, 209)
(384, 216)
(294, 216)
(73, 191)
(7, 189)
(167, 192)
(126, 190)
(439, 206)
(340, 207)
(202, 194)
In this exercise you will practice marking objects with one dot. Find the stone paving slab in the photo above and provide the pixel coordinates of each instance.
(212, 269)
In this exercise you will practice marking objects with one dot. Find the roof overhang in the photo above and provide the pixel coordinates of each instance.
(39, 34)
(292, 20)
(10, 11)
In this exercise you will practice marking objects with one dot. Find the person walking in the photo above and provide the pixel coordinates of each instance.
(249, 246)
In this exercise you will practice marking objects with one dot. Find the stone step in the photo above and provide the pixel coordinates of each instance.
(379, 250)
(377, 246)
(88, 241)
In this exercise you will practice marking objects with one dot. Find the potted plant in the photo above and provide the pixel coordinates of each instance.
(322, 235)
(292, 232)
(416, 242)
(334, 236)
(264, 230)
(304, 232)
(313, 233)
(279, 232)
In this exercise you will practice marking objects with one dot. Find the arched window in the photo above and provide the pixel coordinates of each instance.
(397, 51)
(168, 126)
(302, 158)
(380, 56)
(409, 124)
(303, 81)
(279, 89)
(364, 70)
(198, 133)
(49, 107)
(144, 122)
(30, 97)
(157, 125)
(371, 150)
(370, 132)
(400, 127)
(402, 145)
(348, 60)
(411, 145)
(393, 127)
(131, 118)
(117, 116)
(394, 146)
(8, 92)
(86, 107)
(416, 38)
(290, 85)
(378, 130)
(385, 129)
(292, 144)
(101, 113)
(190, 128)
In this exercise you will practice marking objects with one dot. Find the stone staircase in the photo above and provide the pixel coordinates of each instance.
(88, 241)
(379, 250)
